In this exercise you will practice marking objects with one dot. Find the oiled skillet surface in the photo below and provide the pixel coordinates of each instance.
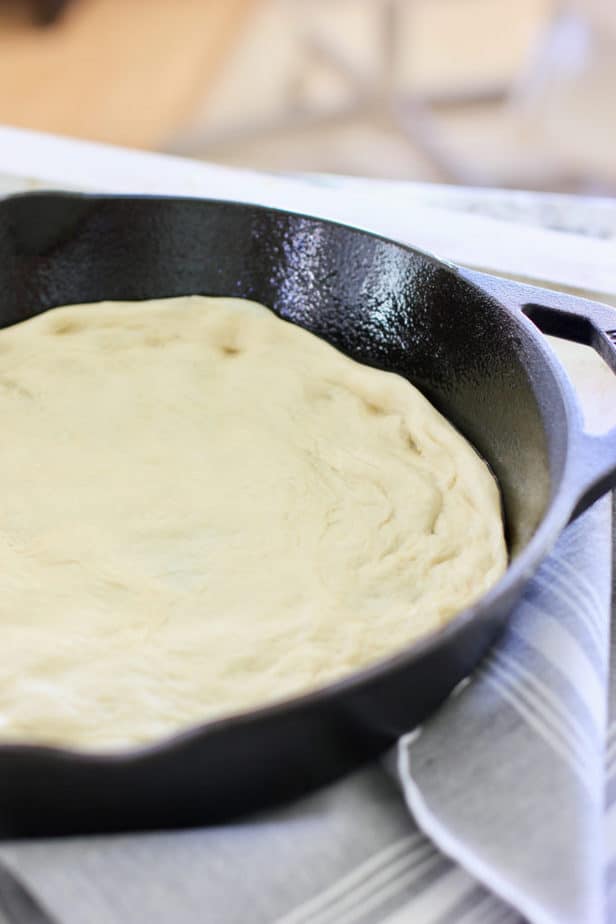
(382, 304)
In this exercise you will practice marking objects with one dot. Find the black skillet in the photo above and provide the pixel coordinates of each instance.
(464, 338)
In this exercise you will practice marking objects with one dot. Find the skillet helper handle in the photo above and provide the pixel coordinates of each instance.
(582, 321)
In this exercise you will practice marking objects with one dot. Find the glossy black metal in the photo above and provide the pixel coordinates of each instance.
(462, 337)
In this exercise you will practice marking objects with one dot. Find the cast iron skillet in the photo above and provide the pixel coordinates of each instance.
(464, 338)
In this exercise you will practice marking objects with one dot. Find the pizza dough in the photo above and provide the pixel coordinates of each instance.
(205, 508)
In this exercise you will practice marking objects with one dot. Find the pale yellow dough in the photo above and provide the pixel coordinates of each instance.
(204, 509)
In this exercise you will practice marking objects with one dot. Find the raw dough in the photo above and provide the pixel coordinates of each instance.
(204, 508)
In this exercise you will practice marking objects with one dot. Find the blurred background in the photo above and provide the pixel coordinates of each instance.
(509, 93)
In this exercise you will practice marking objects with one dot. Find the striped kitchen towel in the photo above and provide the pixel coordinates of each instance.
(495, 812)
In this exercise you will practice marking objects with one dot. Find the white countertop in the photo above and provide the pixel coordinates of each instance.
(561, 241)
(566, 240)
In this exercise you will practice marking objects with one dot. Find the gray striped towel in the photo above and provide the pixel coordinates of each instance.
(494, 812)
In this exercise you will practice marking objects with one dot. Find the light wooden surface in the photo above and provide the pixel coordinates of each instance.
(123, 71)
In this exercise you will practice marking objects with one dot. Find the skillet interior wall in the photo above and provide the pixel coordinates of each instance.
(377, 301)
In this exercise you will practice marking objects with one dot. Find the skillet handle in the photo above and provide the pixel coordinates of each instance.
(582, 321)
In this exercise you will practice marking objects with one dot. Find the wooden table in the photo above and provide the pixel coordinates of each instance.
(127, 71)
